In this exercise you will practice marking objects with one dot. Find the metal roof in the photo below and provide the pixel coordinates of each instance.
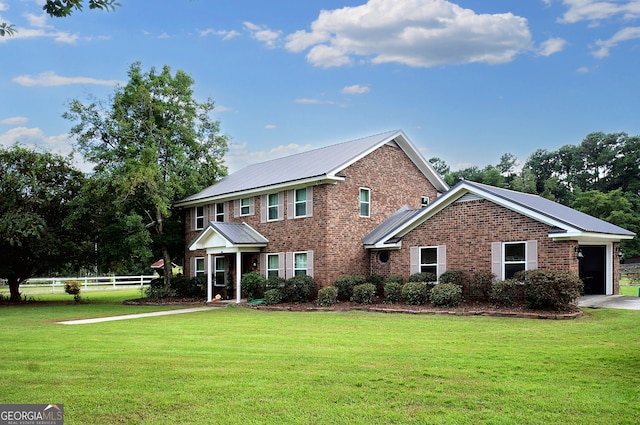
(401, 216)
(554, 210)
(238, 233)
(319, 163)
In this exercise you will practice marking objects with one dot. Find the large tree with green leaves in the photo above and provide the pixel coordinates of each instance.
(154, 144)
(39, 224)
(62, 8)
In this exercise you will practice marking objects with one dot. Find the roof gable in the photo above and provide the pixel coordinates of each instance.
(323, 164)
(563, 221)
(227, 235)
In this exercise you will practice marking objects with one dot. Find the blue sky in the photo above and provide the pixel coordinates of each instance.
(466, 80)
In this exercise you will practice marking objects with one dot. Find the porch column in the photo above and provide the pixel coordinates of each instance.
(209, 283)
(238, 271)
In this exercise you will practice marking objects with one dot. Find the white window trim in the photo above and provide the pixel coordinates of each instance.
(218, 215)
(216, 270)
(196, 217)
(498, 249)
(360, 202)
(306, 269)
(296, 202)
(277, 270)
(196, 272)
(248, 206)
(276, 206)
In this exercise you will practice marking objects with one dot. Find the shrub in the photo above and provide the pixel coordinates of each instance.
(299, 289)
(72, 287)
(185, 287)
(378, 281)
(327, 296)
(548, 289)
(345, 283)
(393, 292)
(507, 292)
(274, 282)
(480, 285)
(272, 296)
(415, 293)
(423, 277)
(395, 278)
(157, 289)
(364, 293)
(456, 277)
(253, 285)
(446, 295)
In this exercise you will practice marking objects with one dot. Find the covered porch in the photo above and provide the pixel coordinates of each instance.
(232, 249)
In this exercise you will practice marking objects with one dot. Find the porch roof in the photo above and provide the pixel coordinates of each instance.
(228, 235)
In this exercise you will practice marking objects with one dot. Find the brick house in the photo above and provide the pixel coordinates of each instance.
(375, 206)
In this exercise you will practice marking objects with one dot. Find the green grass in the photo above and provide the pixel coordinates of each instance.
(629, 290)
(241, 366)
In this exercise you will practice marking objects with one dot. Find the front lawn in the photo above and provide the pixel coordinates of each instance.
(242, 366)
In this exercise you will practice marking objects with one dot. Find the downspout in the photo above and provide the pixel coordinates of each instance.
(209, 282)
(238, 277)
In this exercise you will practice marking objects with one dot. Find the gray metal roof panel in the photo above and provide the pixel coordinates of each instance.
(313, 163)
(238, 233)
(551, 209)
(402, 215)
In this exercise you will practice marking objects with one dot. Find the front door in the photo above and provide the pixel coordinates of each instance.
(592, 269)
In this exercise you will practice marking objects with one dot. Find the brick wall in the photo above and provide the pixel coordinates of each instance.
(468, 229)
(335, 231)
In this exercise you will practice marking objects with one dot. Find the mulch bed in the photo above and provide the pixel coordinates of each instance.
(465, 309)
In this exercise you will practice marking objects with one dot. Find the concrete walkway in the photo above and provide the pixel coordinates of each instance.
(610, 301)
(135, 316)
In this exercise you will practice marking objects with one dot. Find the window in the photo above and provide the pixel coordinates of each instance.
(300, 202)
(273, 207)
(515, 258)
(424, 201)
(219, 271)
(300, 264)
(365, 202)
(273, 265)
(199, 266)
(220, 212)
(245, 206)
(199, 218)
(429, 260)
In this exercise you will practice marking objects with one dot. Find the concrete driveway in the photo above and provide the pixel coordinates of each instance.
(610, 301)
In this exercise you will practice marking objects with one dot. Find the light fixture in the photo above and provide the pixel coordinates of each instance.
(620, 253)
(579, 254)
(255, 263)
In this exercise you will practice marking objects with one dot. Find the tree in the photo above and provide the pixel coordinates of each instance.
(63, 8)
(154, 144)
(440, 166)
(38, 228)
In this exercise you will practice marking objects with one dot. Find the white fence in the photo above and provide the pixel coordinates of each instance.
(56, 284)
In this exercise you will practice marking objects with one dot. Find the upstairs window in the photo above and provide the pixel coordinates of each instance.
(245, 206)
(199, 218)
(300, 202)
(273, 207)
(365, 202)
(220, 212)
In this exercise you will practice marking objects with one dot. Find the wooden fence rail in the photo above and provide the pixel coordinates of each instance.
(56, 284)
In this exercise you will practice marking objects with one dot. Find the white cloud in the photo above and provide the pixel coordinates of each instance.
(551, 46)
(270, 126)
(420, 33)
(263, 34)
(226, 35)
(624, 34)
(239, 156)
(3, 6)
(14, 120)
(222, 108)
(596, 10)
(39, 21)
(50, 79)
(58, 36)
(356, 89)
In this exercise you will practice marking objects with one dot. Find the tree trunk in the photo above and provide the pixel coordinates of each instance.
(168, 265)
(14, 290)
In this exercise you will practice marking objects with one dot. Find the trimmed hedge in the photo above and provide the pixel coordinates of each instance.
(272, 296)
(446, 295)
(551, 290)
(507, 292)
(480, 285)
(253, 285)
(364, 293)
(415, 293)
(299, 289)
(345, 284)
(327, 296)
(423, 277)
(392, 292)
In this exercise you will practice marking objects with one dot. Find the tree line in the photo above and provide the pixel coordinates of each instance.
(600, 176)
